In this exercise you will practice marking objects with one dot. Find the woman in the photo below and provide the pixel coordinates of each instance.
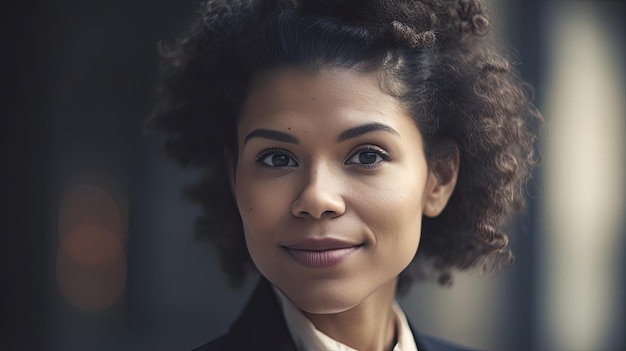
(335, 138)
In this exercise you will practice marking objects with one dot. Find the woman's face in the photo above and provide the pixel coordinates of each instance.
(331, 183)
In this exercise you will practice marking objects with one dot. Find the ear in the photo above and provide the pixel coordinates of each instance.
(442, 176)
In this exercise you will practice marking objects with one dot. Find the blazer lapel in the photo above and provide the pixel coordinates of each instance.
(261, 325)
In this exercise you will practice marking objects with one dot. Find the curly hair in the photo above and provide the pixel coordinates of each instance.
(464, 97)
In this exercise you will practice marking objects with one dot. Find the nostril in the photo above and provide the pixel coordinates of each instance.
(318, 208)
(330, 214)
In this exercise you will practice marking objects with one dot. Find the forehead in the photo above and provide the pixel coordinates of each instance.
(337, 95)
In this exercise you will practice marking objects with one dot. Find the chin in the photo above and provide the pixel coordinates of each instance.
(324, 297)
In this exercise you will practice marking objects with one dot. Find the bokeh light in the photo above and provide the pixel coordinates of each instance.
(91, 261)
(89, 204)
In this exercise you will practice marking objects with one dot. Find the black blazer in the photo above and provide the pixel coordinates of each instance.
(261, 326)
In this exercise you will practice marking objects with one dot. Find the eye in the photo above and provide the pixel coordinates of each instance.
(275, 159)
(369, 157)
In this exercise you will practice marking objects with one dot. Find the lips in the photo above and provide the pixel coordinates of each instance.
(320, 253)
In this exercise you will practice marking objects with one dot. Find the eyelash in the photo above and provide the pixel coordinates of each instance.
(370, 148)
(260, 158)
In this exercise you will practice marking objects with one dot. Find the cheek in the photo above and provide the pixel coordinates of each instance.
(262, 208)
(400, 217)
(394, 214)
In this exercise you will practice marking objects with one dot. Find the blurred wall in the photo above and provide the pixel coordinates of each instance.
(580, 277)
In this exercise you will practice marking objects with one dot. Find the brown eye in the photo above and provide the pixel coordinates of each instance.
(279, 160)
(369, 157)
(276, 159)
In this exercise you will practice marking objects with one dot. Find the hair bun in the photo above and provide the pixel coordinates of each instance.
(408, 22)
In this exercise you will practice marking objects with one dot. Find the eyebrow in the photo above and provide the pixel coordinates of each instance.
(272, 135)
(364, 129)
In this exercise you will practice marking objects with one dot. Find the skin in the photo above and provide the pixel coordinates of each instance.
(369, 189)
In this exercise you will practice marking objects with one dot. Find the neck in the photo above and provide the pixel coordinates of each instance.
(368, 326)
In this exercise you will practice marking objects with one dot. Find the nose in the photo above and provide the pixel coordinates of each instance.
(320, 195)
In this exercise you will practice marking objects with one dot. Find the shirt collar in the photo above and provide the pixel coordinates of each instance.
(307, 337)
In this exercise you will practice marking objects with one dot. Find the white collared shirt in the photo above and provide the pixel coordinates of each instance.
(308, 338)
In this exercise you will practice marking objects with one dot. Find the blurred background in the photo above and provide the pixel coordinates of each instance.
(100, 247)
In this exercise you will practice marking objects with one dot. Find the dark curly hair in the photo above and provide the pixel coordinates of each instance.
(464, 97)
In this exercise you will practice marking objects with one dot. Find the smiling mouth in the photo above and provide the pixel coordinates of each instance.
(321, 253)
(322, 258)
